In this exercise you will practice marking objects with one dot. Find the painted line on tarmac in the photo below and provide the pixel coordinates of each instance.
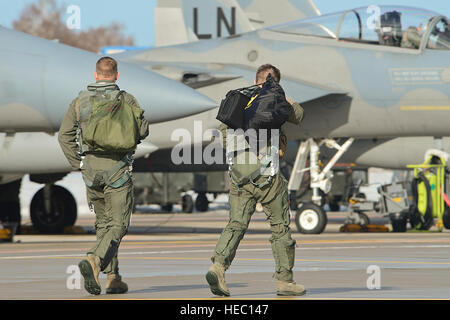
(297, 260)
(186, 244)
(70, 256)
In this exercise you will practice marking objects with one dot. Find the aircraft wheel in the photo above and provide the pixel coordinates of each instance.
(201, 203)
(364, 219)
(399, 224)
(310, 219)
(187, 204)
(167, 207)
(62, 210)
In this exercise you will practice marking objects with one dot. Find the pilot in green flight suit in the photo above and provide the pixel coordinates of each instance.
(108, 183)
(273, 196)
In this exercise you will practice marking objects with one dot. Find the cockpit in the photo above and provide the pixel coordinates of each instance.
(394, 26)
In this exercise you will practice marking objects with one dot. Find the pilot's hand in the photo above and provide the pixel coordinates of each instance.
(289, 100)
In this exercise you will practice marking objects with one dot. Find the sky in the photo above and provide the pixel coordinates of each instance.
(138, 17)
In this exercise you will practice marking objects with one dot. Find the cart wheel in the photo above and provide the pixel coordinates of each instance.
(420, 222)
(201, 202)
(310, 219)
(415, 218)
(167, 207)
(364, 219)
(446, 218)
(334, 206)
(399, 224)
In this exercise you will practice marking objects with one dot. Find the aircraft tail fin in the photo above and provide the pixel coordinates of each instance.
(170, 26)
(181, 21)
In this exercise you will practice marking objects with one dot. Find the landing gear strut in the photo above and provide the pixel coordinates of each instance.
(310, 217)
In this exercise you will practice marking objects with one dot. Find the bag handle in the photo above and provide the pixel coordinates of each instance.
(119, 99)
(269, 77)
(121, 93)
(255, 85)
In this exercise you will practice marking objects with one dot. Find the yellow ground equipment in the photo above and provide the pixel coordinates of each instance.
(429, 190)
(418, 202)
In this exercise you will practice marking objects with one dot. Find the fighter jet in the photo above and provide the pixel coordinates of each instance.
(39, 79)
(377, 72)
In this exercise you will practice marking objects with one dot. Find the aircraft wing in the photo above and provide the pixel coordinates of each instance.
(39, 152)
(201, 76)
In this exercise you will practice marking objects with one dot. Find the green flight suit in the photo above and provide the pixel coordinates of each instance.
(275, 202)
(109, 186)
(411, 38)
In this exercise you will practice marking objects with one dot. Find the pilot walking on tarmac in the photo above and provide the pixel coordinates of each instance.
(272, 193)
(105, 161)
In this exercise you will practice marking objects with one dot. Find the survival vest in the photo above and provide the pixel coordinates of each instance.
(106, 122)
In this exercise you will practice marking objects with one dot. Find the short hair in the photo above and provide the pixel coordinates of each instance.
(106, 67)
(264, 70)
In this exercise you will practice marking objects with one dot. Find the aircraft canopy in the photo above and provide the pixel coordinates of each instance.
(395, 26)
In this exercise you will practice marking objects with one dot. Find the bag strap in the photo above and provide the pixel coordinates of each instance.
(77, 110)
(105, 176)
(119, 95)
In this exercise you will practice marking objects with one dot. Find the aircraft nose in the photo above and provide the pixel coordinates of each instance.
(162, 98)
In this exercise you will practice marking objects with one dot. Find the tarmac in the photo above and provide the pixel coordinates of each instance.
(166, 256)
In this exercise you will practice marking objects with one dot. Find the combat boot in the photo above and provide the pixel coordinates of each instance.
(115, 285)
(90, 269)
(216, 280)
(285, 288)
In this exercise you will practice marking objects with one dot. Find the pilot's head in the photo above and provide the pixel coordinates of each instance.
(106, 69)
(264, 70)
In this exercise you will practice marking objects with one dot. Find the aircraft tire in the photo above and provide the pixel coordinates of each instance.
(201, 203)
(187, 204)
(63, 210)
(310, 219)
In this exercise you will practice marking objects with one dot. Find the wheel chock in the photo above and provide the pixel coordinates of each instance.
(73, 230)
(7, 231)
(5, 235)
(363, 228)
